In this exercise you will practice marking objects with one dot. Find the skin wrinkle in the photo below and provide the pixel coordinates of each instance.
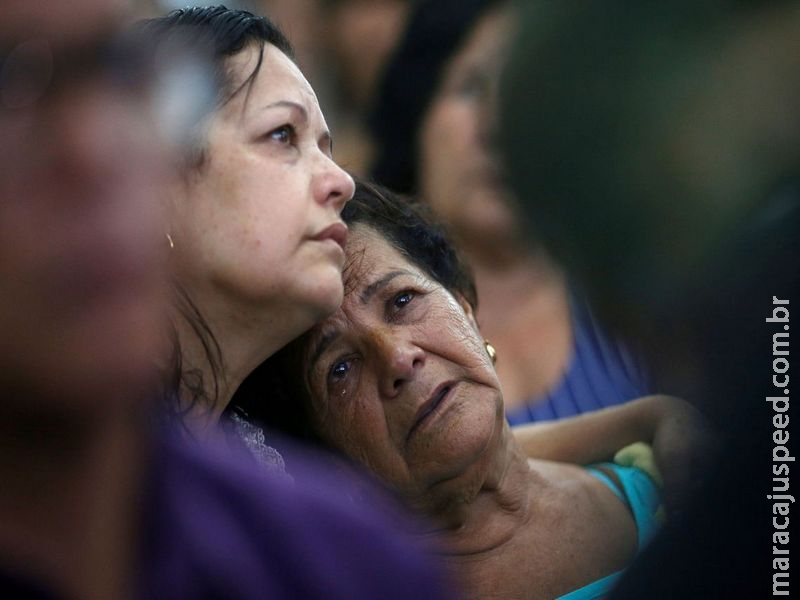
(472, 357)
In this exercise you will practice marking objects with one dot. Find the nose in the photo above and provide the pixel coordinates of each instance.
(401, 361)
(333, 185)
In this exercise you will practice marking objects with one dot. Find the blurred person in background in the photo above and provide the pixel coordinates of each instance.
(434, 125)
(82, 297)
(96, 500)
(358, 38)
(69, 102)
(658, 151)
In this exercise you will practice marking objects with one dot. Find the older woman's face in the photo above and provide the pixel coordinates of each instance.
(459, 173)
(399, 376)
(253, 219)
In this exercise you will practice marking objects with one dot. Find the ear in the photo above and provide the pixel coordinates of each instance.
(469, 311)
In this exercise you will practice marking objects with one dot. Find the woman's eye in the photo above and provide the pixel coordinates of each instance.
(403, 299)
(283, 134)
(339, 371)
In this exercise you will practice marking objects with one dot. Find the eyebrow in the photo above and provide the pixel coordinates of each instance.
(288, 104)
(325, 138)
(328, 338)
(369, 291)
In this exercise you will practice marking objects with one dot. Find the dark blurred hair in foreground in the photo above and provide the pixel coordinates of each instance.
(657, 148)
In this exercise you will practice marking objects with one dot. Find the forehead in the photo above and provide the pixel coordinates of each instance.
(369, 256)
(278, 78)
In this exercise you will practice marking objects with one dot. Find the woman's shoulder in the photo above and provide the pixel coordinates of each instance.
(571, 485)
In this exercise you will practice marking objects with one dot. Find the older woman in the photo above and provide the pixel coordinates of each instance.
(400, 380)
(254, 229)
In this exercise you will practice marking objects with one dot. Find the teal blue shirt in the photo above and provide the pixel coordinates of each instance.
(641, 496)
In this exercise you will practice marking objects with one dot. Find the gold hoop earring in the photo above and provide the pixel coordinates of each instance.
(170, 242)
(490, 351)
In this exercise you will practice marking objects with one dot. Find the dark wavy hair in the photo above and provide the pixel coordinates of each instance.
(218, 33)
(276, 394)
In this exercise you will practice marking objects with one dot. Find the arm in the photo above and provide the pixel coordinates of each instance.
(596, 436)
(672, 426)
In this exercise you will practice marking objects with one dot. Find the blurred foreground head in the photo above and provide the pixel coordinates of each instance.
(82, 288)
(646, 138)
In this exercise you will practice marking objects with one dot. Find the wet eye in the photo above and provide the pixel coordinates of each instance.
(339, 371)
(283, 134)
(402, 299)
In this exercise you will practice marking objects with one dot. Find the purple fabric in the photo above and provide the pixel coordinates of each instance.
(217, 527)
(602, 372)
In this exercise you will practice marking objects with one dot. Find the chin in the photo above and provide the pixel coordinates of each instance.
(325, 294)
(461, 442)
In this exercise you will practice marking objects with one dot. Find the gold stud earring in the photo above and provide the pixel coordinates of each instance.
(490, 351)
(170, 242)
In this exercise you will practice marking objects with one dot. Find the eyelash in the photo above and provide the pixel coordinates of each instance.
(289, 130)
(393, 303)
(399, 303)
(332, 373)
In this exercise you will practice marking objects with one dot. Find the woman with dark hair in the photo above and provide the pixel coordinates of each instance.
(401, 381)
(436, 139)
(255, 237)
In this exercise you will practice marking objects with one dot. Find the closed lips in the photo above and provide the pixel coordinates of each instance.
(336, 232)
(430, 406)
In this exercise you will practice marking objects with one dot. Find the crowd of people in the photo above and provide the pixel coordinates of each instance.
(447, 365)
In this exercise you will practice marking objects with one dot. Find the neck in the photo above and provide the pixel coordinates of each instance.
(511, 537)
(483, 519)
(70, 490)
(220, 346)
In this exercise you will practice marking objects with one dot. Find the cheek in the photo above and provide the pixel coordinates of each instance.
(464, 345)
(448, 132)
(445, 152)
(358, 429)
(234, 209)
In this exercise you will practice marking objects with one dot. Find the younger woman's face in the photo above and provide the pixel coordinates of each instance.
(399, 375)
(253, 221)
